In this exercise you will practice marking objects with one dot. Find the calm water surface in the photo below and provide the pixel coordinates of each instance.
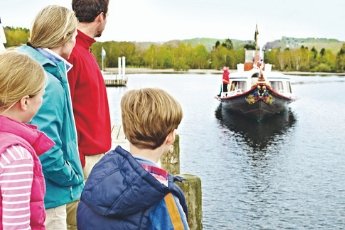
(288, 173)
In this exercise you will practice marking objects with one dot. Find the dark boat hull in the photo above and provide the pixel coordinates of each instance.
(255, 105)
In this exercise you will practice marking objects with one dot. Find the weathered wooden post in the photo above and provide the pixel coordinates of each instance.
(171, 161)
(191, 186)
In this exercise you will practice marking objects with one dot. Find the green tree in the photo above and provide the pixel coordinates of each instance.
(314, 60)
(16, 36)
(165, 57)
(216, 45)
(228, 44)
(199, 58)
(181, 57)
(249, 46)
(322, 52)
(150, 57)
(219, 57)
(340, 59)
(271, 56)
(326, 61)
(305, 59)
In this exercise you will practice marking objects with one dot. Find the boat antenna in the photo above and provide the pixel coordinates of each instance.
(256, 37)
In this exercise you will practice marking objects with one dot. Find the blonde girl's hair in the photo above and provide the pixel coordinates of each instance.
(148, 116)
(53, 27)
(19, 76)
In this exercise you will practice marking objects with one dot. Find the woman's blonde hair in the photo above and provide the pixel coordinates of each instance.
(148, 116)
(53, 27)
(19, 76)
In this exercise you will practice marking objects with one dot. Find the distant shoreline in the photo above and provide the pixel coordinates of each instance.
(324, 74)
(131, 70)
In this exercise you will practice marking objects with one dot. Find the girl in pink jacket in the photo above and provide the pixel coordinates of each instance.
(22, 186)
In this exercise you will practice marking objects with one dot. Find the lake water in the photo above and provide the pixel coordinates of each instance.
(286, 174)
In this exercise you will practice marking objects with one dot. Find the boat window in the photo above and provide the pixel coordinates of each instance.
(289, 87)
(255, 75)
(277, 86)
(236, 85)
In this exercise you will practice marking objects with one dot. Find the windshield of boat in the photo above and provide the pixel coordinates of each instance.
(238, 85)
(281, 86)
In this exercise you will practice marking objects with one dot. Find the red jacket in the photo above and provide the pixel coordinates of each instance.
(89, 100)
(36, 142)
(226, 78)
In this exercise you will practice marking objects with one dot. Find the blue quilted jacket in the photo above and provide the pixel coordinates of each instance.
(121, 194)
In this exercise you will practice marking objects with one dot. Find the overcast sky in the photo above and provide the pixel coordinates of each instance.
(163, 20)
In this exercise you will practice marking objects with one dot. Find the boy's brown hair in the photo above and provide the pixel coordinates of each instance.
(148, 116)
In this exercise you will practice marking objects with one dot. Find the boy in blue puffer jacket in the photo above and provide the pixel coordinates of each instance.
(128, 190)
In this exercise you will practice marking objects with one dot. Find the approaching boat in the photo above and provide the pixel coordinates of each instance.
(255, 91)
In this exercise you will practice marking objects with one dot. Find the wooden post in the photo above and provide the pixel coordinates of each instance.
(191, 186)
(171, 161)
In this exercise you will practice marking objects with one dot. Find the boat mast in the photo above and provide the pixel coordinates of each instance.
(256, 37)
(257, 54)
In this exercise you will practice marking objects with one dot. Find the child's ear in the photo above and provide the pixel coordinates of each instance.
(171, 137)
(24, 103)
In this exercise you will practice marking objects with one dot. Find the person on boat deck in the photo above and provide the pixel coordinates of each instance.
(129, 190)
(258, 62)
(226, 78)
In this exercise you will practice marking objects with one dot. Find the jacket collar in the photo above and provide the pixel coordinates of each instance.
(54, 57)
(32, 52)
(84, 40)
(37, 139)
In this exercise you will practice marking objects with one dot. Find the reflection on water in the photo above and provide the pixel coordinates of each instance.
(257, 135)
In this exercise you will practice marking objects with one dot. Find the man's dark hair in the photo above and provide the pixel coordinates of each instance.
(88, 10)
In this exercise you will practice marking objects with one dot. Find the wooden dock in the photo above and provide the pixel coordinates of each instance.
(115, 82)
(113, 79)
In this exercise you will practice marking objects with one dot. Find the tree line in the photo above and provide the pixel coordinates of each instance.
(184, 56)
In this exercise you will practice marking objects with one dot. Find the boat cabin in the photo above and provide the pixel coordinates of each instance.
(241, 82)
(253, 73)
